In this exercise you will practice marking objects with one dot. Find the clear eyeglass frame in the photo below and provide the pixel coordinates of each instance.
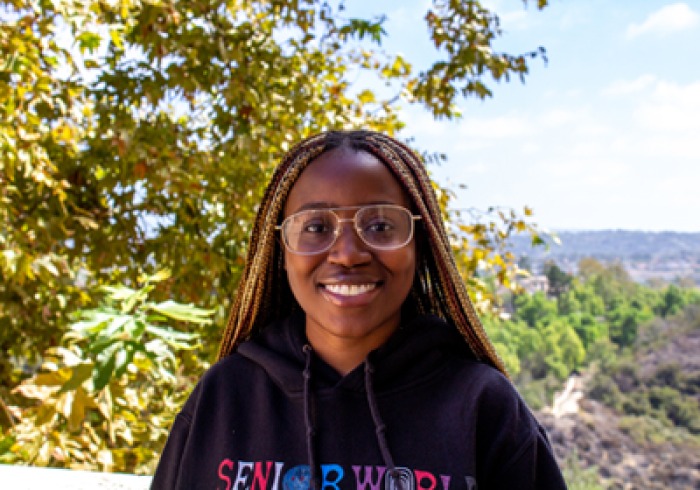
(283, 227)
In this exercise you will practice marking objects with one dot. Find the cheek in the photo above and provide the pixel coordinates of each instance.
(403, 266)
(299, 269)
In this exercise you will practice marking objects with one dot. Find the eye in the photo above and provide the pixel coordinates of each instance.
(379, 225)
(316, 226)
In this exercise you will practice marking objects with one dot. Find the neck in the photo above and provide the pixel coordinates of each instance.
(344, 363)
(344, 354)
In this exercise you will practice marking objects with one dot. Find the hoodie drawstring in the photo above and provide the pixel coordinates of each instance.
(310, 430)
(379, 426)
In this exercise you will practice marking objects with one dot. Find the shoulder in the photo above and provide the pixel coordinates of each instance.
(224, 368)
(228, 376)
(493, 399)
(514, 448)
(483, 380)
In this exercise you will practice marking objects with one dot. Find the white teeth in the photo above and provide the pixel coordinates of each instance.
(350, 289)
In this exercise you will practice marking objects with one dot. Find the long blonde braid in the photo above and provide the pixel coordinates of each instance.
(263, 294)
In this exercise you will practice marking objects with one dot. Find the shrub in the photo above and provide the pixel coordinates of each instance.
(106, 396)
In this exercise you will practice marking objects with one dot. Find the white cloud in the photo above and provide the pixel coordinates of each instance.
(531, 148)
(682, 191)
(558, 117)
(478, 168)
(407, 12)
(422, 122)
(515, 20)
(672, 108)
(592, 172)
(626, 87)
(669, 19)
(495, 127)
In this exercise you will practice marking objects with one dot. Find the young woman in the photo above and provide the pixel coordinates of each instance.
(353, 358)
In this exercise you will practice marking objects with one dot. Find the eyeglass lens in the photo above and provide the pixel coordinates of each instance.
(315, 230)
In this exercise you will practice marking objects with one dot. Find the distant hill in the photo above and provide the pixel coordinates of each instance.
(631, 446)
(664, 255)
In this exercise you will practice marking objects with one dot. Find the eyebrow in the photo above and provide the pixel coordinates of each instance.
(330, 205)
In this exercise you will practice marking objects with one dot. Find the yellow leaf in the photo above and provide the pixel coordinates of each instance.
(366, 97)
(56, 378)
(81, 402)
(104, 403)
(104, 457)
(36, 392)
(62, 133)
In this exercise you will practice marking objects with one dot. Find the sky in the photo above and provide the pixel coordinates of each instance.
(605, 135)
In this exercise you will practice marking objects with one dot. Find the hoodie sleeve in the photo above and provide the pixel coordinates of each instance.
(517, 451)
(168, 470)
(533, 468)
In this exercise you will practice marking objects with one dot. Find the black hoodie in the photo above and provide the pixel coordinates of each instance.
(419, 413)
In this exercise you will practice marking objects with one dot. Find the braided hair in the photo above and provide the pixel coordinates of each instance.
(264, 295)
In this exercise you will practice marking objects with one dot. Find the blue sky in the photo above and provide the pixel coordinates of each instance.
(606, 135)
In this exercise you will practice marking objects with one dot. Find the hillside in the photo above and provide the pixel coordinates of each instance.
(666, 256)
(644, 442)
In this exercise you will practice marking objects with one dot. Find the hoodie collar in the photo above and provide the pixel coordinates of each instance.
(415, 351)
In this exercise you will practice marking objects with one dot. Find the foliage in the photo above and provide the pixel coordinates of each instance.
(559, 281)
(138, 135)
(596, 317)
(481, 245)
(645, 429)
(578, 478)
(636, 356)
(106, 396)
(660, 401)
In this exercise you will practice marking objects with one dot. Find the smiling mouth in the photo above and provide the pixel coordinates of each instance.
(349, 289)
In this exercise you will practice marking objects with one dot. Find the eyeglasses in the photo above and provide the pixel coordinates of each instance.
(382, 227)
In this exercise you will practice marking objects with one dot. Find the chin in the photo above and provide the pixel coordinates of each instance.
(351, 327)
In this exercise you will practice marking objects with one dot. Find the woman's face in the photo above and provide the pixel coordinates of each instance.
(351, 293)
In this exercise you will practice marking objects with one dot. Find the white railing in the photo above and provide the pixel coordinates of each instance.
(31, 478)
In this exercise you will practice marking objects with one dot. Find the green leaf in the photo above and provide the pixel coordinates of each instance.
(170, 335)
(92, 326)
(159, 276)
(181, 312)
(88, 41)
(102, 372)
(119, 292)
(80, 374)
(103, 324)
(98, 346)
(123, 358)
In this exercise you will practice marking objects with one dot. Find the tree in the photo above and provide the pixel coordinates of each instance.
(138, 135)
(106, 396)
(559, 281)
(672, 301)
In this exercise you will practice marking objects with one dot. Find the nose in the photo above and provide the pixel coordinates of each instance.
(348, 249)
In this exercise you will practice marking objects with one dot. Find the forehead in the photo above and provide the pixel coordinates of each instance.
(345, 177)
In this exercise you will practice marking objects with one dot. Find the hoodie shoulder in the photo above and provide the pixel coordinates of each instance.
(516, 449)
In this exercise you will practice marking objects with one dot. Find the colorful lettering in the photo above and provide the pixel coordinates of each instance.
(471, 483)
(229, 464)
(260, 478)
(278, 474)
(244, 469)
(367, 483)
(424, 478)
(329, 469)
(297, 478)
(272, 475)
(399, 479)
(445, 481)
